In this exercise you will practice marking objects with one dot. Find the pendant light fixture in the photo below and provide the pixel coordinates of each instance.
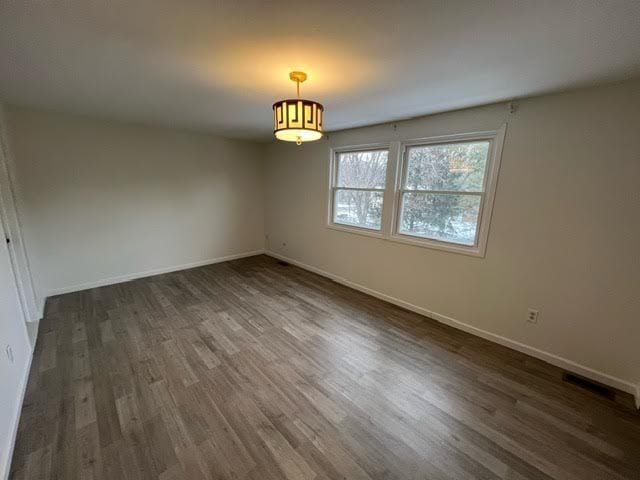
(297, 120)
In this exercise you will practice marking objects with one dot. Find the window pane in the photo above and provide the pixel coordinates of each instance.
(448, 218)
(360, 208)
(366, 169)
(452, 166)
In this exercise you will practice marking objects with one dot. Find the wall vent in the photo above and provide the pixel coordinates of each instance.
(586, 384)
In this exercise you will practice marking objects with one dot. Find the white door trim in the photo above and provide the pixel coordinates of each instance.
(10, 221)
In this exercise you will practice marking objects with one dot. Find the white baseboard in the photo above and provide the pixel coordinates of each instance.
(548, 357)
(40, 301)
(5, 461)
(43, 301)
(148, 273)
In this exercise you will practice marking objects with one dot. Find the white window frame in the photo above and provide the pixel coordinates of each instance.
(333, 188)
(396, 171)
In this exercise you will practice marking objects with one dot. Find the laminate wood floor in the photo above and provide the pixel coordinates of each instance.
(254, 370)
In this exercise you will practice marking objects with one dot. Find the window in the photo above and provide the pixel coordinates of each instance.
(443, 190)
(439, 191)
(358, 188)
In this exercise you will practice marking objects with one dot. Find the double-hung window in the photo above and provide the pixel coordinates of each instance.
(441, 190)
(359, 181)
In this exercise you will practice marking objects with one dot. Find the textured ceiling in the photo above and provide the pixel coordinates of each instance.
(219, 65)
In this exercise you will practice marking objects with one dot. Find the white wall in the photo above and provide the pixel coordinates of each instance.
(10, 218)
(564, 239)
(101, 201)
(13, 373)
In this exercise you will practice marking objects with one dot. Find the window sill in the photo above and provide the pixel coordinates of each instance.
(472, 251)
(356, 230)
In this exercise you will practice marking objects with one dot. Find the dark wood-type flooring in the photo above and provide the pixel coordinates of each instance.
(254, 370)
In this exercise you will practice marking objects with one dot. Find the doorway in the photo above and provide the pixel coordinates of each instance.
(12, 240)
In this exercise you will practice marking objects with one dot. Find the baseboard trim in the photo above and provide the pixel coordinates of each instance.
(147, 273)
(5, 466)
(548, 357)
(43, 302)
(40, 302)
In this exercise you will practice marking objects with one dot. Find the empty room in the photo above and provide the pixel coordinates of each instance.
(350, 240)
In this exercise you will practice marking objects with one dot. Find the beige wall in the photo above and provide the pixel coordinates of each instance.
(100, 201)
(564, 239)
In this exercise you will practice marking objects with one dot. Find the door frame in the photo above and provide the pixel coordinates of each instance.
(10, 220)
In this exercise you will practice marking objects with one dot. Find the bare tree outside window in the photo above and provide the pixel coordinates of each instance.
(359, 190)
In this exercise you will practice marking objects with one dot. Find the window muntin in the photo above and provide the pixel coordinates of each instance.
(358, 188)
(443, 191)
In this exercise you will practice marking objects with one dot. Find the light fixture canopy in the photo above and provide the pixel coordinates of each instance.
(297, 120)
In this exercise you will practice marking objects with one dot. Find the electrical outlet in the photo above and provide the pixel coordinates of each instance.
(532, 315)
(9, 351)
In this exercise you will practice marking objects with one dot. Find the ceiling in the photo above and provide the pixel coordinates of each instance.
(218, 65)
